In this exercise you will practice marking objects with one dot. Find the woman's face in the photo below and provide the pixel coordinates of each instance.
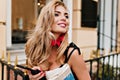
(61, 21)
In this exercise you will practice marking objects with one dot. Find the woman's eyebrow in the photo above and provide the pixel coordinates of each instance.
(60, 12)
(66, 13)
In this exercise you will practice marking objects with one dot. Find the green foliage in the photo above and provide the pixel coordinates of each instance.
(107, 72)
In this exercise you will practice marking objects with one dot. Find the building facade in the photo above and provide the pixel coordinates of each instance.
(94, 23)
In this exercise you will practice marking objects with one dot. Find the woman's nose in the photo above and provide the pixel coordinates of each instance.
(63, 18)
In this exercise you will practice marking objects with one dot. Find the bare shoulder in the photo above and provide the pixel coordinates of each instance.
(75, 57)
(74, 53)
(77, 64)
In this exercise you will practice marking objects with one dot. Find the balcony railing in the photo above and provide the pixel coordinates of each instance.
(102, 68)
(105, 67)
(10, 72)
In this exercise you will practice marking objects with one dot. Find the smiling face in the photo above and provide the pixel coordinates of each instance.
(61, 21)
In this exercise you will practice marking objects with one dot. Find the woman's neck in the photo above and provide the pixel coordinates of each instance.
(56, 35)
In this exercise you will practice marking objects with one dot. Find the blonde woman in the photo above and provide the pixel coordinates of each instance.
(47, 48)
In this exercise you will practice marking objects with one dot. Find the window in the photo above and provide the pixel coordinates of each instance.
(24, 15)
(89, 14)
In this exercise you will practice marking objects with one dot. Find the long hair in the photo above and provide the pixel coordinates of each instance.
(38, 46)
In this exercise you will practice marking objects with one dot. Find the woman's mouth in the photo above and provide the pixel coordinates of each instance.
(62, 25)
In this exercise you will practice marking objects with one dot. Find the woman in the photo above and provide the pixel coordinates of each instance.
(46, 46)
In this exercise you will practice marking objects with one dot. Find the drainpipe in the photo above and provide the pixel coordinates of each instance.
(112, 20)
(98, 24)
(103, 30)
(117, 26)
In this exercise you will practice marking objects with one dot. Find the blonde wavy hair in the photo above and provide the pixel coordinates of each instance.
(38, 46)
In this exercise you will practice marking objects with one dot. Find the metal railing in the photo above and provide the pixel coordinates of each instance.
(101, 68)
(11, 72)
(105, 67)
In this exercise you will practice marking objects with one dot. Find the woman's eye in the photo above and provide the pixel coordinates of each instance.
(56, 14)
(67, 17)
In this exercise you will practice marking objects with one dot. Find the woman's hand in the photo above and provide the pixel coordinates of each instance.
(36, 76)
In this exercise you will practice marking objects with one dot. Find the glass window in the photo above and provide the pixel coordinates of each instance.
(89, 14)
(24, 15)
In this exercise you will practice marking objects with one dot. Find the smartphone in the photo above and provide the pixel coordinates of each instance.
(33, 72)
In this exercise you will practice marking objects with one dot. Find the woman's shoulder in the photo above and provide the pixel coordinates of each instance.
(71, 51)
(72, 44)
(73, 48)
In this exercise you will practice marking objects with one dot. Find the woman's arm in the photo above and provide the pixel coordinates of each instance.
(78, 66)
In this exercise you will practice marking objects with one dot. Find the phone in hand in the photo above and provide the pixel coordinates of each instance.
(33, 72)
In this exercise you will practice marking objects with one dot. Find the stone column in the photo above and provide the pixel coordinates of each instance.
(76, 20)
(2, 27)
(3, 32)
(69, 4)
(8, 23)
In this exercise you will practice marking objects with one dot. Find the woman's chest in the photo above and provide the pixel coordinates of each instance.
(54, 65)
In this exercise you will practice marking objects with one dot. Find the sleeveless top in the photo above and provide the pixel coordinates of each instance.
(67, 57)
(64, 72)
